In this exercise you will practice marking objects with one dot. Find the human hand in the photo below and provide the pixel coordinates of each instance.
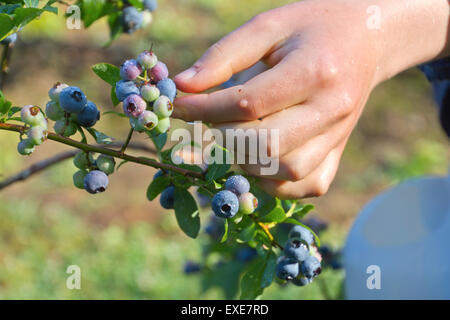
(324, 61)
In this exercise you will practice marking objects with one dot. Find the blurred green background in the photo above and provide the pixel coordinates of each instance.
(129, 248)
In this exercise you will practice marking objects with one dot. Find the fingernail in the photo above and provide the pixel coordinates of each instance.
(187, 74)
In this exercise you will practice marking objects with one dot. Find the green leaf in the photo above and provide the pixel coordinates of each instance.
(121, 164)
(186, 212)
(248, 233)
(225, 234)
(92, 10)
(119, 114)
(258, 276)
(114, 98)
(218, 170)
(277, 214)
(6, 25)
(157, 186)
(107, 72)
(13, 111)
(100, 137)
(136, 3)
(22, 16)
(158, 140)
(303, 210)
(31, 3)
(293, 221)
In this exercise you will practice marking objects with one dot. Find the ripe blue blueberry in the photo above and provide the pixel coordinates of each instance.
(89, 116)
(11, 39)
(78, 179)
(158, 174)
(301, 233)
(25, 147)
(191, 267)
(37, 135)
(225, 204)
(163, 126)
(130, 70)
(124, 88)
(247, 203)
(237, 184)
(96, 181)
(61, 128)
(72, 100)
(150, 92)
(203, 200)
(167, 88)
(151, 5)
(54, 92)
(301, 281)
(246, 254)
(54, 111)
(147, 121)
(167, 199)
(147, 59)
(163, 107)
(215, 227)
(287, 269)
(296, 249)
(134, 105)
(311, 267)
(131, 19)
(33, 116)
(106, 164)
(159, 71)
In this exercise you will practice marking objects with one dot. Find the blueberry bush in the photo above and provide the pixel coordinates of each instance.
(243, 216)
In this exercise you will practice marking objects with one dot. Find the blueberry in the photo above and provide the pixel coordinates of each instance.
(106, 164)
(225, 204)
(32, 116)
(167, 88)
(96, 181)
(167, 198)
(287, 269)
(54, 111)
(247, 203)
(131, 19)
(163, 107)
(78, 179)
(130, 70)
(150, 92)
(25, 147)
(134, 105)
(301, 233)
(147, 59)
(37, 135)
(54, 92)
(203, 200)
(246, 254)
(237, 184)
(191, 267)
(215, 227)
(89, 116)
(158, 174)
(150, 5)
(163, 126)
(159, 71)
(296, 249)
(124, 88)
(310, 267)
(147, 120)
(11, 39)
(61, 128)
(83, 160)
(301, 281)
(72, 100)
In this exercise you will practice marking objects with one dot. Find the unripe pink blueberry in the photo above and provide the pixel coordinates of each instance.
(134, 105)
(159, 71)
(163, 107)
(130, 70)
(147, 59)
(149, 92)
(247, 203)
(147, 120)
(32, 116)
(37, 135)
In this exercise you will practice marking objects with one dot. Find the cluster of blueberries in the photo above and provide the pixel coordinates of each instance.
(133, 19)
(93, 173)
(300, 263)
(236, 200)
(69, 107)
(37, 133)
(147, 93)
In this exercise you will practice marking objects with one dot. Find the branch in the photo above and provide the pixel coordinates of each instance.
(47, 163)
(4, 64)
(103, 150)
